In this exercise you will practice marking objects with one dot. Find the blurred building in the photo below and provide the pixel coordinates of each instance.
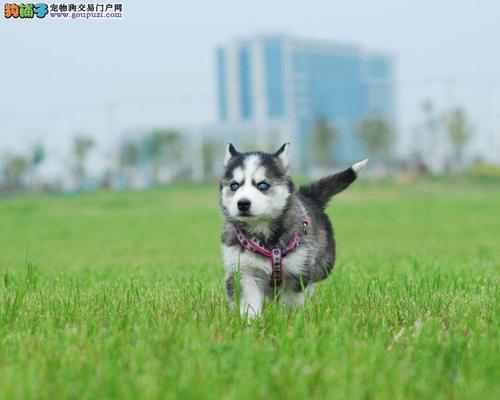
(274, 88)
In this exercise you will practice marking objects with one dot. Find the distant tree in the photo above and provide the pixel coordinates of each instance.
(15, 169)
(209, 150)
(82, 145)
(459, 133)
(324, 137)
(432, 134)
(129, 158)
(38, 155)
(164, 148)
(376, 135)
(428, 138)
(129, 154)
(431, 120)
(37, 158)
(107, 179)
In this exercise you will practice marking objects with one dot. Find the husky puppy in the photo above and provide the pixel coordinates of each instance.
(276, 240)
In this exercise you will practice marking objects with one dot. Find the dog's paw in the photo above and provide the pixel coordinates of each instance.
(360, 166)
(249, 312)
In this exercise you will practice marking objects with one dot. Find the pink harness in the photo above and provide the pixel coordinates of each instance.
(275, 255)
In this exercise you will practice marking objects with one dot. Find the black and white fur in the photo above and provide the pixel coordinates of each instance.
(274, 215)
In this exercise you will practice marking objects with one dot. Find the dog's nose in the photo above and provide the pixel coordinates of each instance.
(244, 204)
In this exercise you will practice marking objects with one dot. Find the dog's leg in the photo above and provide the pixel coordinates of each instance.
(291, 298)
(294, 298)
(229, 286)
(251, 296)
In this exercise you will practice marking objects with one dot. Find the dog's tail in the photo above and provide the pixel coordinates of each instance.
(323, 190)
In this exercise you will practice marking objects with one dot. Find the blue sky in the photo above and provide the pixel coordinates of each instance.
(156, 66)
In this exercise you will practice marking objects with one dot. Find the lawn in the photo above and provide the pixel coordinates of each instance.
(119, 295)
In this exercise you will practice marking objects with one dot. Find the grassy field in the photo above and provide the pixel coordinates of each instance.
(119, 295)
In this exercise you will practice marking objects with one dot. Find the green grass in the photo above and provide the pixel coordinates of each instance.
(119, 295)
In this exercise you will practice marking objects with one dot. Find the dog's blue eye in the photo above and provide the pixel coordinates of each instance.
(234, 186)
(263, 186)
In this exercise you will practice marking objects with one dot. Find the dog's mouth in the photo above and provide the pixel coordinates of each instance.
(249, 218)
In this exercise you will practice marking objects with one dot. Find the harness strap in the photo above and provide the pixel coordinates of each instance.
(277, 274)
(275, 254)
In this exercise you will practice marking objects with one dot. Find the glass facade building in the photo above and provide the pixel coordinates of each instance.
(277, 87)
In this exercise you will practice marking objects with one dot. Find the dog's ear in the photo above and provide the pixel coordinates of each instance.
(230, 153)
(283, 154)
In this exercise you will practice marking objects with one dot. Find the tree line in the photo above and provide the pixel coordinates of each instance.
(378, 137)
(163, 155)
